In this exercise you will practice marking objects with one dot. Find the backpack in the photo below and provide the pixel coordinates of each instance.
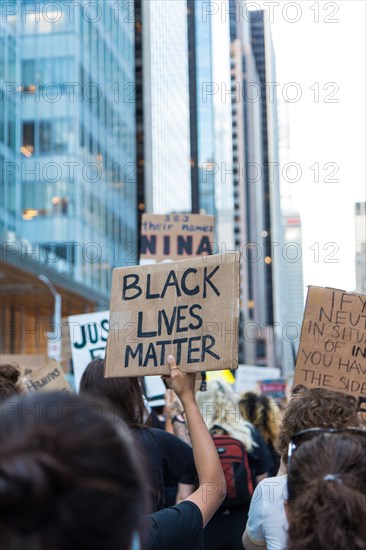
(235, 465)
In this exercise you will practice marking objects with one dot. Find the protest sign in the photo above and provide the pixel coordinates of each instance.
(189, 309)
(48, 377)
(332, 350)
(249, 376)
(174, 237)
(88, 338)
(276, 389)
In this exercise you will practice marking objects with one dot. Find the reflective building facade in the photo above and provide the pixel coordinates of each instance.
(70, 196)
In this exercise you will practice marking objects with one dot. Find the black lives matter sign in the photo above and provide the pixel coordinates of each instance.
(332, 350)
(189, 309)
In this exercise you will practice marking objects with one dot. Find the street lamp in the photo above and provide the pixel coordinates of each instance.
(56, 316)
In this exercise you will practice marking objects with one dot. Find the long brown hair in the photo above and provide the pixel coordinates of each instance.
(123, 395)
(327, 495)
(263, 413)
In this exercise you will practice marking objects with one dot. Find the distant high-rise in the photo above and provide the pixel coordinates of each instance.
(263, 51)
(293, 307)
(210, 117)
(360, 233)
(165, 107)
(248, 186)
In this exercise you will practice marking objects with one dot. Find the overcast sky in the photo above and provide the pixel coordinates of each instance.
(331, 55)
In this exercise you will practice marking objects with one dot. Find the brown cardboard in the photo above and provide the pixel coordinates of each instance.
(332, 350)
(49, 377)
(175, 237)
(192, 306)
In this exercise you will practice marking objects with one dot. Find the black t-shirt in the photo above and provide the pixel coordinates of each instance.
(167, 459)
(179, 527)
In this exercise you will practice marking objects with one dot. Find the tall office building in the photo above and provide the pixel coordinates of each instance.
(164, 92)
(248, 187)
(293, 306)
(210, 116)
(201, 108)
(72, 215)
(263, 51)
(360, 234)
(9, 115)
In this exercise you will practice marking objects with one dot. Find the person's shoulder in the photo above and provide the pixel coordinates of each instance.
(179, 526)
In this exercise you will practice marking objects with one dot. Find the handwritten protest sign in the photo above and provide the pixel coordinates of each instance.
(174, 237)
(88, 339)
(332, 350)
(189, 309)
(49, 377)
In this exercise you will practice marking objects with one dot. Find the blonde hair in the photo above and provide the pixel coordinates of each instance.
(219, 407)
(263, 412)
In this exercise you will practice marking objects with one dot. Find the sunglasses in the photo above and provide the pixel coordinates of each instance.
(306, 435)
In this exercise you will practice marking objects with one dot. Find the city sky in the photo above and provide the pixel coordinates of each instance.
(326, 60)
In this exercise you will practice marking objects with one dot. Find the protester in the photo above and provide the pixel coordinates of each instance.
(308, 408)
(265, 415)
(168, 460)
(326, 507)
(9, 380)
(71, 478)
(219, 406)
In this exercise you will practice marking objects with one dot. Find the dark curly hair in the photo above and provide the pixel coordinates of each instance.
(315, 407)
(9, 380)
(327, 495)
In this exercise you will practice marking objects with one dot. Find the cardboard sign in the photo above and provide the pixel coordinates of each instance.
(49, 377)
(332, 350)
(189, 309)
(174, 237)
(88, 339)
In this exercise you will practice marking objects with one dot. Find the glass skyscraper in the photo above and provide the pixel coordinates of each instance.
(211, 137)
(68, 148)
(166, 133)
(76, 184)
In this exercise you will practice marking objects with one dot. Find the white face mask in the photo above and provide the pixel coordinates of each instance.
(135, 542)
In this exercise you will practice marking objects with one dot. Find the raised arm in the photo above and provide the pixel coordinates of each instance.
(212, 487)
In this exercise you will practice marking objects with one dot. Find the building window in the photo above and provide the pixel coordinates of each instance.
(28, 139)
(45, 137)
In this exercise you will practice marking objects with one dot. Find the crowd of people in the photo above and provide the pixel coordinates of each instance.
(218, 471)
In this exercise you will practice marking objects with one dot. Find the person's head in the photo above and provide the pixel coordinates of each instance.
(9, 381)
(327, 494)
(315, 408)
(123, 395)
(263, 413)
(69, 477)
(219, 407)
